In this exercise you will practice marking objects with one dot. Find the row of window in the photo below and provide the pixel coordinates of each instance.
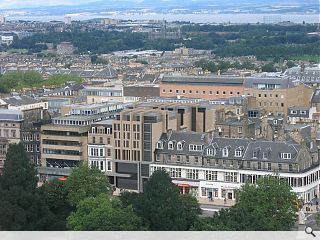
(72, 122)
(266, 95)
(133, 155)
(303, 112)
(30, 136)
(210, 175)
(200, 92)
(101, 140)
(8, 134)
(61, 143)
(240, 164)
(225, 151)
(265, 104)
(194, 174)
(101, 130)
(99, 152)
(101, 165)
(61, 152)
(30, 147)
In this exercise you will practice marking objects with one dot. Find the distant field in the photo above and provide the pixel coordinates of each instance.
(310, 58)
(17, 51)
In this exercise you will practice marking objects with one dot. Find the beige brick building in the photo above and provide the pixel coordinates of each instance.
(278, 97)
(135, 133)
(205, 87)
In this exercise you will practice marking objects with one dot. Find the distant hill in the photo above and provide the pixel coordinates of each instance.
(224, 6)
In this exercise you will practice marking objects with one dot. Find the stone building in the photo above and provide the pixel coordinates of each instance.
(214, 168)
(10, 130)
(205, 87)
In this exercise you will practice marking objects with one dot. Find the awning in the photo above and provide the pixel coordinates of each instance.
(183, 185)
(62, 178)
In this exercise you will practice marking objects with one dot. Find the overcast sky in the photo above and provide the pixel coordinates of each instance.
(35, 3)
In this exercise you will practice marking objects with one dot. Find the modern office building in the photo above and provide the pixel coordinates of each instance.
(135, 133)
(64, 142)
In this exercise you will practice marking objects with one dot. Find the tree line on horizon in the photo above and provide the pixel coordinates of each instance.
(262, 41)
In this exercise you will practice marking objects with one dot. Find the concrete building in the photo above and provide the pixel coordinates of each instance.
(64, 142)
(215, 167)
(192, 116)
(113, 93)
(205, 87)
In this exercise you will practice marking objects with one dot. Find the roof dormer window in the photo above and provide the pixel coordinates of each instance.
(265, 155)
(193, 147)
(170, 145)
(159, 145)
(238, 152)
(286, 155)
(211, 151)
(180, 146)
(225, 152)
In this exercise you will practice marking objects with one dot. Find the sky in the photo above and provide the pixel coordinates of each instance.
(37, 3)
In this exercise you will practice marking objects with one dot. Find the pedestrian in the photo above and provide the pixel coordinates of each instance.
(225, 200)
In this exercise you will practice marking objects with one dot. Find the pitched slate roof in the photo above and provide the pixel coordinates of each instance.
(20, 100)
(11, 115)
(268, 151)
(316, 96)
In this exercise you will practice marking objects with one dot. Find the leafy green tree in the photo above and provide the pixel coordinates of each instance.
(290, 64)
(161, 206)
(269, 67)
(270, 202)
(267, 206)
(103, 213)
(21, 207)
(85, 182)
(55, 196)
(318, 219)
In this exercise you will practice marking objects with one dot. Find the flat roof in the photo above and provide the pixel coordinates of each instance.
(204, 80)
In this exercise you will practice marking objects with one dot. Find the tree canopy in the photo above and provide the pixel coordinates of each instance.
(263, 41)
(103, 213)
(267, 206)
(54, 194)
(19, 80)
(86, 182)
(161, 206)
(21, 207)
